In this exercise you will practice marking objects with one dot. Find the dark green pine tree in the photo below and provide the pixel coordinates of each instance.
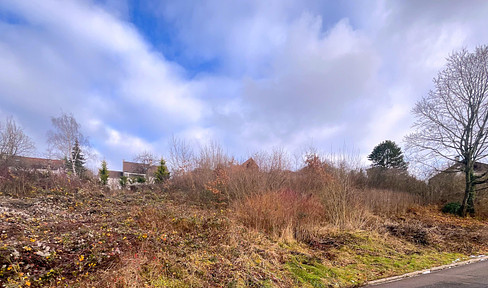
(162, 174)
(103, 173)
(387, 154)
(76, 164)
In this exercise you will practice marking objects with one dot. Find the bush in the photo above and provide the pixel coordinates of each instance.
(451, 208)
(388, 202)
(280, 212)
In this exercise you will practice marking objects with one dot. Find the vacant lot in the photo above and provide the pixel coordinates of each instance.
(155, 238)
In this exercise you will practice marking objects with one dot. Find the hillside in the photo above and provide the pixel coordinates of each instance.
(91, 237)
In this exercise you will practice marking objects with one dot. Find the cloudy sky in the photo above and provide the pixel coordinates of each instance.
(249, 74)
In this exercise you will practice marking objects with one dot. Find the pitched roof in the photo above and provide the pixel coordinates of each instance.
(250, 164)
(456, 169)
(478, 167)
(137, 168)
(132, 167)
(39, 163)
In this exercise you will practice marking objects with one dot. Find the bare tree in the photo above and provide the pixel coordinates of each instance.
(452, 120)
(212, 155)
(13, 141)
(64, 136)
(146, 159)
(181, 158)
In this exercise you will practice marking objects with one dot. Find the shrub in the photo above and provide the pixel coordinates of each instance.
(123, 181)
(278, 212)
(388, 202)
(412, 232)
(451, 208)
(395, 180)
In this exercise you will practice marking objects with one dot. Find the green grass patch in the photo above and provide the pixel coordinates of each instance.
(365, 258)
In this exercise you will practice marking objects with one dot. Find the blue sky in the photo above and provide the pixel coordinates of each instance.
(252, 75)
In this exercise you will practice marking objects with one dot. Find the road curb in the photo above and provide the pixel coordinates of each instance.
(474, 259)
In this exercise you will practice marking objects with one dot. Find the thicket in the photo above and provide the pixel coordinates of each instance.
(292, 196)
(284, 196)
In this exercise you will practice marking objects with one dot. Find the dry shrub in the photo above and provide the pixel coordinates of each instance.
(314, 177)
(445, 188)
(203, 177)
(216, 177)
(151, 219)
(245, 181)
(411, 231)
(28, 182)
(219, 184)
(333, 181)
(396, 180)
(279, 212)
(449, 187)
(18, 184)
(274, 167)
(337, 182)
(343, 206)
(482, 207)
(388, 202)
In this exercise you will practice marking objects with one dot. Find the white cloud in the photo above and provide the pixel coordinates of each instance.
(284, 73)
(73, 56)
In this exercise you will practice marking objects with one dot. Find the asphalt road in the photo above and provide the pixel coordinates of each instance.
(467, 276)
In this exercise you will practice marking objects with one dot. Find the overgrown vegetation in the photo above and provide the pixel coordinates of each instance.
(215, 222)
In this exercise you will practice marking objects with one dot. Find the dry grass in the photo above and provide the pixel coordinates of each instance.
(140, 239)
(388, 202)
(283, 213)
(220, 224)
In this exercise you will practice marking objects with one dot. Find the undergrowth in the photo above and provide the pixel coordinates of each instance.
(145, 239)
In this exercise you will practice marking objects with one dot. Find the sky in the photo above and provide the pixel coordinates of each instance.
(251, 75)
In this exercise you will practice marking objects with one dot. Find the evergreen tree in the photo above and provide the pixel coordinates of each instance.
(387, 154)
(162, 174)
(76, 164)
(103, 173)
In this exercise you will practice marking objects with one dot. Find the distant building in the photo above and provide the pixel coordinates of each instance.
(449, 184)
(250, 164)
(457, 169)
(38, 164)
(131, 170)
(134, 169)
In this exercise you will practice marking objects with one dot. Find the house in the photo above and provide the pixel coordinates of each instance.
(449, 184)
(250, 164)
(134, 169)
(38, 164)
(457, 169)
(131, 170)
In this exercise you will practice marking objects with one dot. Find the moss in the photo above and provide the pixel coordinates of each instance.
(309, 271)
(364, 258)
(170, 283)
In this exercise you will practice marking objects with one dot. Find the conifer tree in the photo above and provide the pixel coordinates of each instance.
(76, 163)
(387, 154)
(162, 174)
(103, 173)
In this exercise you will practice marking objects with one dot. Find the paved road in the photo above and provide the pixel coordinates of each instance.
(467, 276)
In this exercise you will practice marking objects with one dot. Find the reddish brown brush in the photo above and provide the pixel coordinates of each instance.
(276, 211)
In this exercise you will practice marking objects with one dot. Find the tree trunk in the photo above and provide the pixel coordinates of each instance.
(468, 201)
(73, 166)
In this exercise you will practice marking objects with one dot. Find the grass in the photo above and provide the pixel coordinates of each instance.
(364, 257)
(95, 238)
